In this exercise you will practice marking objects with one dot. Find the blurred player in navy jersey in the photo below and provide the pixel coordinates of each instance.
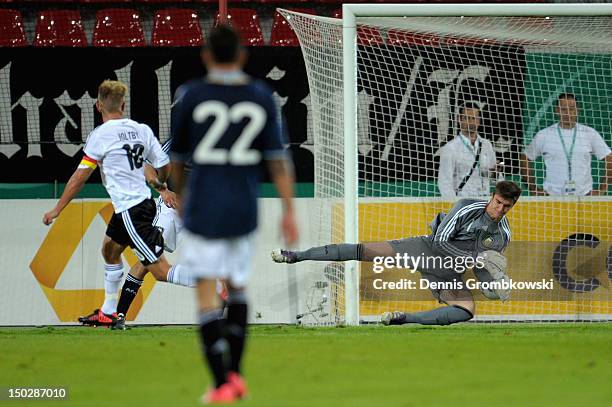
(225, 125)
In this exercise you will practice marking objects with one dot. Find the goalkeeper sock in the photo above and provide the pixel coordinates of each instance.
(440, 316)
(179, 276)
(332, 252)
(236, 327)
(214, 345)
(128, 293)
(112, 279)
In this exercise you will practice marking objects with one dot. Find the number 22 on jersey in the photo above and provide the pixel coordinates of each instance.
(239, 153)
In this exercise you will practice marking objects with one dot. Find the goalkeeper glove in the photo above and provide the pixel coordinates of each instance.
(495, 263)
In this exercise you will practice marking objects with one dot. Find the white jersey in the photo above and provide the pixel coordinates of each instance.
(547, 143)
(456, 161)
(120, 147)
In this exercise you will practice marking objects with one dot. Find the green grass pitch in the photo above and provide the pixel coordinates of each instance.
(461, 365)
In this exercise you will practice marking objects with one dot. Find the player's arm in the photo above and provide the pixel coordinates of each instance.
(445, 173)
(605, 180)
(162, 175)
(178, 176)
(281, 172)
(532, 152)
(491, 164)
(280, 167)
(74, 185)
(153, 179)
(158, 161)
(528, 177)
(180, 148)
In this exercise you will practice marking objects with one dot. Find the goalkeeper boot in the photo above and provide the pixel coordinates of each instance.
(393, 318)
(225, 394)
(239, 384)
(284, 256)
(119, 324)
(98, 318)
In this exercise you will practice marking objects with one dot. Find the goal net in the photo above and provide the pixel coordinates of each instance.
(414, 77)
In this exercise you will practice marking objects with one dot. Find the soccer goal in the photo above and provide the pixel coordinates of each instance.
(386, 86)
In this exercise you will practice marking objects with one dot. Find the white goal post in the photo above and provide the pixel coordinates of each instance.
(443, 21)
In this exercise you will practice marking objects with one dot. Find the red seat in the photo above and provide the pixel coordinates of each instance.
(59, 28)
(246, 21)
(282, 33)
(398, 37)
(175, 1)
(365, 35)
(118, 28)
(12, 33)
(281, 2)
(103, 1)
(177, 27)
(337, 2)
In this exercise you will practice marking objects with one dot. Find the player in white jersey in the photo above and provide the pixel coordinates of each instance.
(120, 146)
(167, 219)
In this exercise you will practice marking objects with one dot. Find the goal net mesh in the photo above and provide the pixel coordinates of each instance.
(413, 76)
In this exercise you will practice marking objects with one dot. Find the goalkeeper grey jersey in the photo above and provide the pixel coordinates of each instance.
(468, 230)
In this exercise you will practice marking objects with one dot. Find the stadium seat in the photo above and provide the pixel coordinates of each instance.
(103, 1)
(246, 21)
(282, 33)
(118, 28)
(12, 33)
(397, 37)
(59, 28)
(177, 27)
(365, 35)
(281, 2)
(176, 1)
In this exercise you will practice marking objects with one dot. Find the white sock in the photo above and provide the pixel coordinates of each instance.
(113, 274)
(179, 276)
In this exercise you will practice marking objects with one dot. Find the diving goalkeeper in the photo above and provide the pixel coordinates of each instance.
(472, 229)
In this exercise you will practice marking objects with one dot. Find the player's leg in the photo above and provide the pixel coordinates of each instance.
(335, 252)
(460, 308)
(113, 273)
(148, 243)
(207, 259)
(164, 220)
(173, 274)
(236, 332)
(214, 344)
(115, 242)
(460, 304)
(239, 258)
(131, 286)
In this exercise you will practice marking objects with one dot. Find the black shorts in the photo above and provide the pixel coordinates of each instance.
(134, 228)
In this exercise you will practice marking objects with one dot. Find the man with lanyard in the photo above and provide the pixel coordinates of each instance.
(567, 148)
(466, 161)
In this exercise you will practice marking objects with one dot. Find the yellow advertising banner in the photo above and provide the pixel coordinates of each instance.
(568, 245)
(64, 237)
